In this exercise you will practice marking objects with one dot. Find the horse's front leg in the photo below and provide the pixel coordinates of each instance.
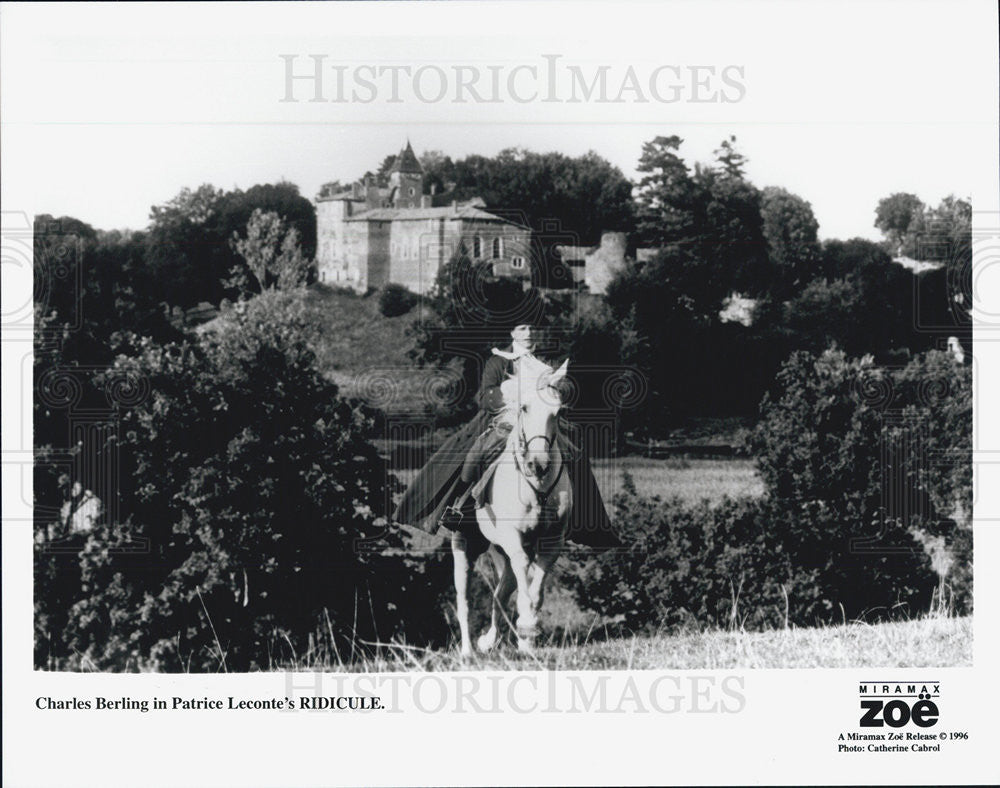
(510, 541)
(550, 547)
(505, 584)
(541, 569)
(463, 571)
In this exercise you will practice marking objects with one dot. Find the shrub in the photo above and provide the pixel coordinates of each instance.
(933, 400)
(743, 563)
(845, 450)
(395, 300)
(868, 477)
(688, 565)
(246, 485)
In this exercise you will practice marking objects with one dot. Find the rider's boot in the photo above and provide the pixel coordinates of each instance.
(453, 515)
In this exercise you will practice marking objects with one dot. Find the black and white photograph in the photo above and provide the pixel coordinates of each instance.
(392, 387)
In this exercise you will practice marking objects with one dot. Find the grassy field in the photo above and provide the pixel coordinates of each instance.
(354, 334)
(927, 642)
(691, 480)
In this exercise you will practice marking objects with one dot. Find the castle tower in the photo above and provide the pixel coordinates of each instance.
(406, 179)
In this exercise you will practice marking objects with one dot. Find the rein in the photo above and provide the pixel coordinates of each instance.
(522, 444)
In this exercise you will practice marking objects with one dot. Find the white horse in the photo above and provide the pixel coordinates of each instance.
(526, 508)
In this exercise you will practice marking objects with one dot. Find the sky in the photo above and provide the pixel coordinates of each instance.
(108, 110)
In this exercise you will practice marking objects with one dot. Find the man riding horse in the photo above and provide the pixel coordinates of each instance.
(441, 493)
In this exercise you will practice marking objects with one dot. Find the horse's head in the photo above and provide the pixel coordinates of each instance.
(533, 402)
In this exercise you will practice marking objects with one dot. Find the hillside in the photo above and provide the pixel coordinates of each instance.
(355, 336)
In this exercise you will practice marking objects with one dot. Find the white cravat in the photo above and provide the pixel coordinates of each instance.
(512, 355)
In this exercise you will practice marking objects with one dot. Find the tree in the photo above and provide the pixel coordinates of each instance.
(790, 228)
(94, 289)
(731, 162)
(665, 300)
(714, 213)
(934, 394)
(282, 198)
(271, 254)
(820, 451)
(179, 246)
(948, 232)
(861, 301)
(667, 197)
(948, 241)
(899, 216)
(382, 174)
(730, 235)
(574, 198)
(439, 171)
(188, 244)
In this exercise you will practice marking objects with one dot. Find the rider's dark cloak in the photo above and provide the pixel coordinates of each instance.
(433, 488)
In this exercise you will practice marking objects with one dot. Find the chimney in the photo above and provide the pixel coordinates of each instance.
(434, 189)
(454, 206)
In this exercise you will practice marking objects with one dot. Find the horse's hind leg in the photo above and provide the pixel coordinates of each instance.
(505, 585)
(464, 554)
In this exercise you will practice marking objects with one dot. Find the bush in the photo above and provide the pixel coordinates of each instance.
(395, 300)
(688, 565)
(934, 394)
(868, 508)
(247, 487)
(846, 451)
(743, 564)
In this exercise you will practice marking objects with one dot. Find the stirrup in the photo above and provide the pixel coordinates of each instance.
(451, 517)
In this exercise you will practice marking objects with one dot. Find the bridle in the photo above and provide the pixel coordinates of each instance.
(521, 448)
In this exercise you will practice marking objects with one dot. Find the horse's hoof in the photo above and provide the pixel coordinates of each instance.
(526, 639)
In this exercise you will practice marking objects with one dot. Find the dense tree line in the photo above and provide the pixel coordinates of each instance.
(189, 250)
(721, 241)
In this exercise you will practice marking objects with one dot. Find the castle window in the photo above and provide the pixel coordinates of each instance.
(412, 191)
(517, 262)
(477, 247)
(497, 248)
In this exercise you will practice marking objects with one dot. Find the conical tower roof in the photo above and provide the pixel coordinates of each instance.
(407, 161)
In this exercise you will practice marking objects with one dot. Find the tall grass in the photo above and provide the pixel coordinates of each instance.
(932, 639)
